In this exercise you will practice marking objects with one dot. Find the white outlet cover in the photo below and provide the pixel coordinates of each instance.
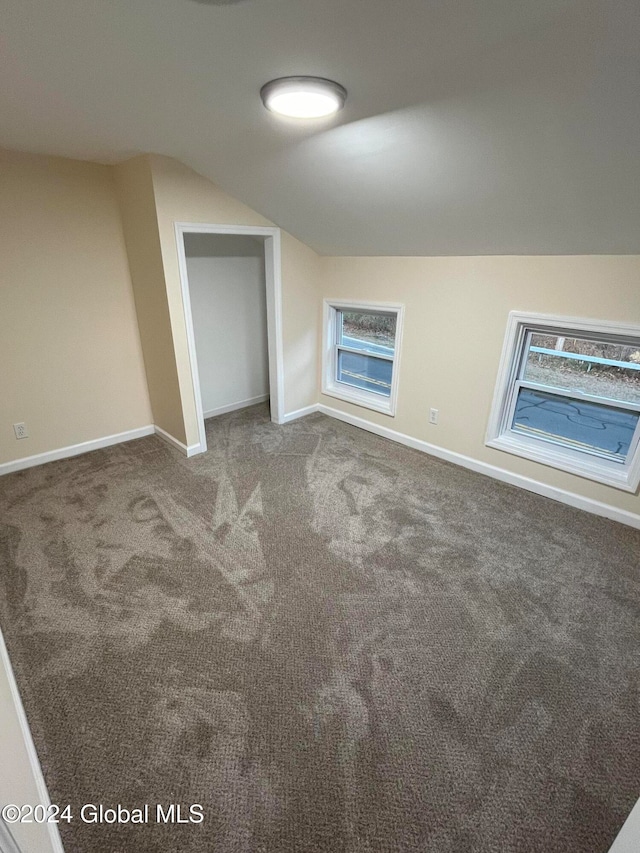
(21, 430)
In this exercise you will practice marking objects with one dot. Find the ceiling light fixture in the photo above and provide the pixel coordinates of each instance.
(303, 97)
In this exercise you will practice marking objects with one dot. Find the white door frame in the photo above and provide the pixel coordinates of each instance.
(273, 277)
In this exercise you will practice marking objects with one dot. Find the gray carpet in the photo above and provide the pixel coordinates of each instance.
(331, 642)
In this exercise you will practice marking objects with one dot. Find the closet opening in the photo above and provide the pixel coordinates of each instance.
(231, 294)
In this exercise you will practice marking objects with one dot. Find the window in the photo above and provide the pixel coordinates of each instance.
(568, 395)
(362, 345)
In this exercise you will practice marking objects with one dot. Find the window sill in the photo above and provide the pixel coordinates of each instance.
(591, 468)
(362, 398)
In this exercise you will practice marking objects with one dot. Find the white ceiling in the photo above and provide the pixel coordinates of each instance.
(471, 126)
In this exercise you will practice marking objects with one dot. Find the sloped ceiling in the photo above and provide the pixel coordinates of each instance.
(471, 127)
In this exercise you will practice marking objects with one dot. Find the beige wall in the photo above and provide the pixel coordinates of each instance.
(184, 196)
(138, 209)
(92, 329)
(455, 319)
(69, 347)
(70, 344)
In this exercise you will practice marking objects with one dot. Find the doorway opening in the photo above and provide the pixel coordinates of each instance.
(231, 292)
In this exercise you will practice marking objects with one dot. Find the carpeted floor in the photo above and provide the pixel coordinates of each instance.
(331, 642)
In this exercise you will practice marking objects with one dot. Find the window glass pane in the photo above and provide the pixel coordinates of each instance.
(369, 332)
(365, 371)
(582, 425)
(577, 364)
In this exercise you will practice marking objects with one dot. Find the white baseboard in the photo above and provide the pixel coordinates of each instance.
(32, 755)
(570, 498)
(191, 450)
(300, 413)
(232, 407)
(556, 494)
(96, 444)
(74, 449)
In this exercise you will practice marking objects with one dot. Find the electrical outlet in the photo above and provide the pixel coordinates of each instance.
(20, 430)
(433, 416)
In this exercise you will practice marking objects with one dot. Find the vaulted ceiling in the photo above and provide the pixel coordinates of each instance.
(471, 126)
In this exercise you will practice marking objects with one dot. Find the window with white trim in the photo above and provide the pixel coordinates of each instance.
(568, 395)
(361, 353)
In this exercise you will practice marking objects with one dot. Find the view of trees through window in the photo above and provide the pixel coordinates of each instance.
(374, 328)
(591, 375)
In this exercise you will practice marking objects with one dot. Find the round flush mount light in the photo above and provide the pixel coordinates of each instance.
(303, 97)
